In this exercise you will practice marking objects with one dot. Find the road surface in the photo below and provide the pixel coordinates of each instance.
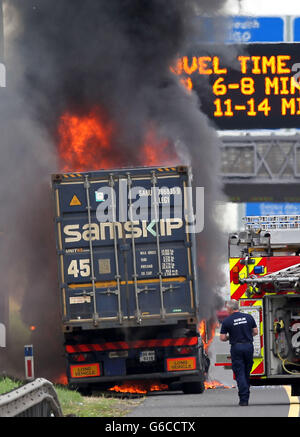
(220, 402)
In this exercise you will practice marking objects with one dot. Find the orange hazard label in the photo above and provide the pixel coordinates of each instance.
(82, 371)
(75, 201)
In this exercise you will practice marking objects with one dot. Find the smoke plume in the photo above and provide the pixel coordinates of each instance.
(74, 55)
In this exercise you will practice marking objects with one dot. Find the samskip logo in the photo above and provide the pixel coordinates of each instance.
(136, 229)
(2, 76)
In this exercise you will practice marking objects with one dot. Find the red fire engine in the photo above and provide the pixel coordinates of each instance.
(264, 262)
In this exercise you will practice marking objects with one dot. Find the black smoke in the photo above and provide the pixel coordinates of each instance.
(73, 55)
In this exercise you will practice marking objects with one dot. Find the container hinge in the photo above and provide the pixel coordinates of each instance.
(145, 289)
(84, 293)
(108, 292)
(170, 288)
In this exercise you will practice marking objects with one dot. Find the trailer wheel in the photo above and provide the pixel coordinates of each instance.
(196, 387)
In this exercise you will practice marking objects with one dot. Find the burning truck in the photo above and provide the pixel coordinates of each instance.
(128, 277)
(92, 86)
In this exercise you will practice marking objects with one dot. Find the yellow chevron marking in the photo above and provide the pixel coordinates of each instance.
(243, 273)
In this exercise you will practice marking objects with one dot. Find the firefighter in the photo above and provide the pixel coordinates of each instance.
(240, 328)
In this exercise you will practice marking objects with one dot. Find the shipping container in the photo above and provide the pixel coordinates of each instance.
(128, 276)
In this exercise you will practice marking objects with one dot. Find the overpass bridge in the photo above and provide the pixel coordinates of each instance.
(261, 168)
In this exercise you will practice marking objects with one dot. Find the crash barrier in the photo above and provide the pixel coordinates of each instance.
(35, 399)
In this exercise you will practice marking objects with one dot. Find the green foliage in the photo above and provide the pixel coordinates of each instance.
(74, 404)
(7, 385)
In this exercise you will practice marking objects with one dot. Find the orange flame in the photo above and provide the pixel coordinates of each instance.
(207, 332)
(157, 152)
(86, 143)
(142, 387)
(81, 139)
(214, 384)
(62, 380)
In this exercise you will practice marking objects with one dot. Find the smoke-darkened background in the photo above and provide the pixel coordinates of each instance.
(73, 55)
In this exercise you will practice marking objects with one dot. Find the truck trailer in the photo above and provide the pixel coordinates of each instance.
(128, 279)
(264, 264)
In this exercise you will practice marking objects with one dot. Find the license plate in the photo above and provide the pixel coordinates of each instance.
(147, 356)
(84, 371)
(175, 364)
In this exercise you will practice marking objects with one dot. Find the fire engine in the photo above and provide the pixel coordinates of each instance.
(264, 263)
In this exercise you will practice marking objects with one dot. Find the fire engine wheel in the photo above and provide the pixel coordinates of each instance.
(193, 387)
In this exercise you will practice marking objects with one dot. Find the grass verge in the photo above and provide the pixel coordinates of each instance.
(74, 404)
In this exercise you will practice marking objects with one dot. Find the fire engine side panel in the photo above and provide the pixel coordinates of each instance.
(254, 307)
(269, 265)
(264, 267)
(123, 251)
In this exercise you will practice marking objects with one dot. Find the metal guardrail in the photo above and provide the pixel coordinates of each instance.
(35, 399)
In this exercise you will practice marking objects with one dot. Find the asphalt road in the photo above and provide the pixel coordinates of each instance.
(220, 402)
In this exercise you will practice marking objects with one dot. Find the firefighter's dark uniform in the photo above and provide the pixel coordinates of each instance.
(239, 326)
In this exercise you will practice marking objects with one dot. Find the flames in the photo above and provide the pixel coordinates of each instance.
(207, 332)
(82, 138)
(92, 142)
(62, 380)
(142, 387)
(214, 384)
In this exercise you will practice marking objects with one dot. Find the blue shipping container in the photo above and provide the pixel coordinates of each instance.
(125, 256)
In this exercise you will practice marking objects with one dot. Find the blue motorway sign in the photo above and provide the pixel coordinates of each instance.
(270, 208)
(296, 29)
(241, 29)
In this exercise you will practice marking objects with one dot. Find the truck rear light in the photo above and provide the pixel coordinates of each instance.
(79, 358)
(184, 350)
(235, 275)
(258, 270)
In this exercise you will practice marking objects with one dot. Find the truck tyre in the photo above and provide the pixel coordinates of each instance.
(196, 387)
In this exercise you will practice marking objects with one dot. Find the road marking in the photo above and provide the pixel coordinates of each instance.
(294, 402)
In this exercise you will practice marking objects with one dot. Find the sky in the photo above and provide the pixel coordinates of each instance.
(264, 7)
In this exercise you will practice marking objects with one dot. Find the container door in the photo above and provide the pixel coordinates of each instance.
(90, 254)
(123, 249)
(159, 260)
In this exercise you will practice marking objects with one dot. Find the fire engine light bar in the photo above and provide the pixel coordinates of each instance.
(259, 270)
